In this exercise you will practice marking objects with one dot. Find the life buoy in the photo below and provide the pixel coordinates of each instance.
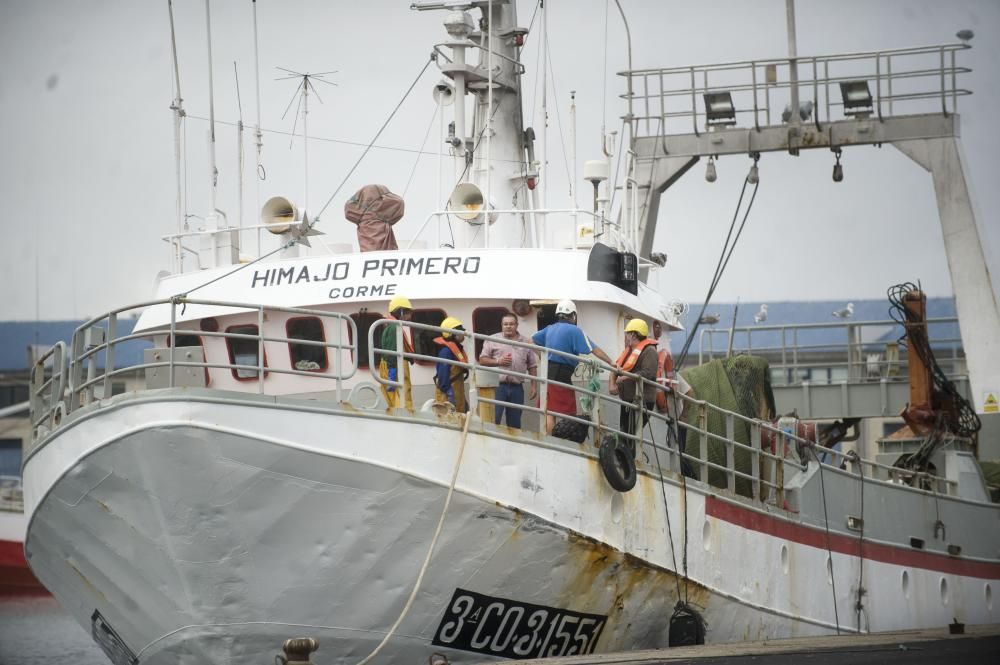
(617, 463)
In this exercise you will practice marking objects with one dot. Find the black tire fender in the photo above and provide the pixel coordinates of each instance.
(617, 463)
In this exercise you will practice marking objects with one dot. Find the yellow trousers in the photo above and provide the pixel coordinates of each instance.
(392, 397)
(457, 387)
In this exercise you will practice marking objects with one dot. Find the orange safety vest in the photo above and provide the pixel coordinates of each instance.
(407, 343)
(455, 349)
(630, 357)
(664, 372)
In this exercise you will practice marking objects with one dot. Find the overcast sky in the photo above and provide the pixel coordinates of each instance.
(87, 175)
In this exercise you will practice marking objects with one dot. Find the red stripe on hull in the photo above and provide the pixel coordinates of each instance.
(15, 576)
(807, 535)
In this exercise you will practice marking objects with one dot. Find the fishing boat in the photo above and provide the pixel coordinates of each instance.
(268, 482)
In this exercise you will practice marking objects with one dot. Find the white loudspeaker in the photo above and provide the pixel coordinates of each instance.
(467, 202)
(278, 213)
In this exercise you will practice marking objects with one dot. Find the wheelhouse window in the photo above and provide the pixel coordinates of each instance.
(423, 340)
(307, 357)
(487, 321)
(363, 321)
(244, 352)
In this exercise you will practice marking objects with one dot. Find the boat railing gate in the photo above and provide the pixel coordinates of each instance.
(924, 79)
(87, 372)
(775, 454)
(853, 352)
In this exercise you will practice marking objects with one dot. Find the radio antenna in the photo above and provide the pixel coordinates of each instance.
(306, 85)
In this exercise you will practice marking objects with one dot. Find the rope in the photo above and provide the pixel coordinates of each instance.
(858, 605)
(666, 510)
(430, 550)
(829, 552)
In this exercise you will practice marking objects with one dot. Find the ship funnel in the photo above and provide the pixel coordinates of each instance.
(278, 214)
(467, 202)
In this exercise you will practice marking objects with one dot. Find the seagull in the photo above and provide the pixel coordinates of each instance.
(709, 319)
(845, 313)
(761, 316)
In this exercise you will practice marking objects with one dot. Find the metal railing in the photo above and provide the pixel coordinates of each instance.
(86, 374)
(774, 454)
(770, 454)
(856, 351)
(918, 80)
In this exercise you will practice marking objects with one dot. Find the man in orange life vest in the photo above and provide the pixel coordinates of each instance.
(639, 357)
(400, 309)
(450, 379)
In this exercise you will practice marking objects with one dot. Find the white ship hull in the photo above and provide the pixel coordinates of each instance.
(205, 528)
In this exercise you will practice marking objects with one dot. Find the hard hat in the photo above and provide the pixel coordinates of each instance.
(566, 307)
(638, 326)
(453, 323)
(399, 301)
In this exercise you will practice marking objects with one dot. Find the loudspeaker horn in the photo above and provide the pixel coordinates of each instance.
(467, 202)
(278, 214)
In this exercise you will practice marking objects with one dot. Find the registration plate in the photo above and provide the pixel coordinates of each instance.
(513, 629)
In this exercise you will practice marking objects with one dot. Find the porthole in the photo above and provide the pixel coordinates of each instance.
(905, 584)
(944, 591)
(706, 536)
(988, 592)
(829, 570)
(784, 559)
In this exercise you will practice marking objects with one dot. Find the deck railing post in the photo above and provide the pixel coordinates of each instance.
(260, 350)
(730, 453)
(543, 390)
(703, 442)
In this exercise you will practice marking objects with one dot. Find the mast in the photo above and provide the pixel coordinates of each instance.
(177, 106)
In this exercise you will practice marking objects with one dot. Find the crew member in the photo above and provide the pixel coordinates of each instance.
(518, 359)
(565, 336)
(450, 379)
(639, 357)
(400, 309)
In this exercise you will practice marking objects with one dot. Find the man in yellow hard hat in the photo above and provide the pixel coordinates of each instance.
(450, 379)
(400, 309)
(639, 357)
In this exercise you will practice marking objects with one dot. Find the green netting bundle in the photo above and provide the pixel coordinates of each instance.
(740, 384)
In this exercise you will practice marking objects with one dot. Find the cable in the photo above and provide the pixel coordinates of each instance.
(375, 138)
(963, 420)
(666, 510)
(430, 550)
(720, 268)
(420, 152)
(829, 552)
(858, 605)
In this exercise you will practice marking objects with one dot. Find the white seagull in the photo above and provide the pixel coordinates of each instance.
(761, 316)
(845, 313)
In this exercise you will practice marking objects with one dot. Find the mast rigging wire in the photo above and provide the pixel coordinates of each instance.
(375, 138)
(720, 268)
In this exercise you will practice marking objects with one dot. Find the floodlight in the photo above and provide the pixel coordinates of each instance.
(719, 109)
(857, 97)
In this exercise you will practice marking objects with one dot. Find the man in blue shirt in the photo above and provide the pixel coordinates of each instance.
(564, 335)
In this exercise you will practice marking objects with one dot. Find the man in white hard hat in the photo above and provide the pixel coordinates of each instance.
(565, 336)
(400, 309)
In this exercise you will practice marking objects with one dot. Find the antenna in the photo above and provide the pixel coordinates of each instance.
(258, 136)
(239, 155)
(306, 84)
